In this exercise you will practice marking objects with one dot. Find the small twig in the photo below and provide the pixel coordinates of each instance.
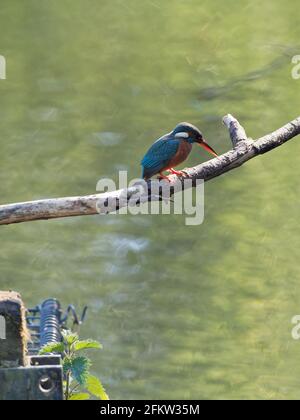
(236, 131)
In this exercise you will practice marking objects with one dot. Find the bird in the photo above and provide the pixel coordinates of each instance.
(171, 150)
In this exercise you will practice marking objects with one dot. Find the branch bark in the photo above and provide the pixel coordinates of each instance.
(243, 150)
(236, 131)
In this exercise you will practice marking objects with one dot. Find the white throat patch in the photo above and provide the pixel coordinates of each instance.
(182, 135)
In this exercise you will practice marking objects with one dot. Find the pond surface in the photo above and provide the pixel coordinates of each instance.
(182, 312)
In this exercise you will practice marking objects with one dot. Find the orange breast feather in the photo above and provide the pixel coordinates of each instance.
(182, 153)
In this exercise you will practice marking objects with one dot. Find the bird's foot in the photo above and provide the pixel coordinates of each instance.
(162, 176)
(178, 173)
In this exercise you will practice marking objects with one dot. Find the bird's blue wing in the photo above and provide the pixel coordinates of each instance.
(159, 154)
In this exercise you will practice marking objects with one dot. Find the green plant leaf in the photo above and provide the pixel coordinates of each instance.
(87, 344)
(80, 397)
(52, 348)
(95, 387)
(70, 337)
(79, 367)
(67, 364)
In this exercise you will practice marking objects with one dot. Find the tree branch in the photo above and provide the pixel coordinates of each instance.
(243, 150)
(236, 131)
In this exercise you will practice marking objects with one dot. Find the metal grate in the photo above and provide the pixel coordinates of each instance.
(46, 321)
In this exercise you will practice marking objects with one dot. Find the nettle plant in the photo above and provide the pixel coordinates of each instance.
(79, 384)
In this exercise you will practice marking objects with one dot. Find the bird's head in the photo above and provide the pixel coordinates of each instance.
(191, 134)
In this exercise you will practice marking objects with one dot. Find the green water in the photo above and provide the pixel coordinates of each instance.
(182, 312)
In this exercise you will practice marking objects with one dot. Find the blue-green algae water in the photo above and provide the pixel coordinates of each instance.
(182, 311)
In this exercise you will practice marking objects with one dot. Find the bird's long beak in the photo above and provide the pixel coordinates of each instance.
(209, 149)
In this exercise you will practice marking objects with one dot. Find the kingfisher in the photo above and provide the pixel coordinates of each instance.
(171, 150)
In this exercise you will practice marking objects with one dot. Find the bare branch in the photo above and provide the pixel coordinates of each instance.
(244, 150)
(236, 131)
